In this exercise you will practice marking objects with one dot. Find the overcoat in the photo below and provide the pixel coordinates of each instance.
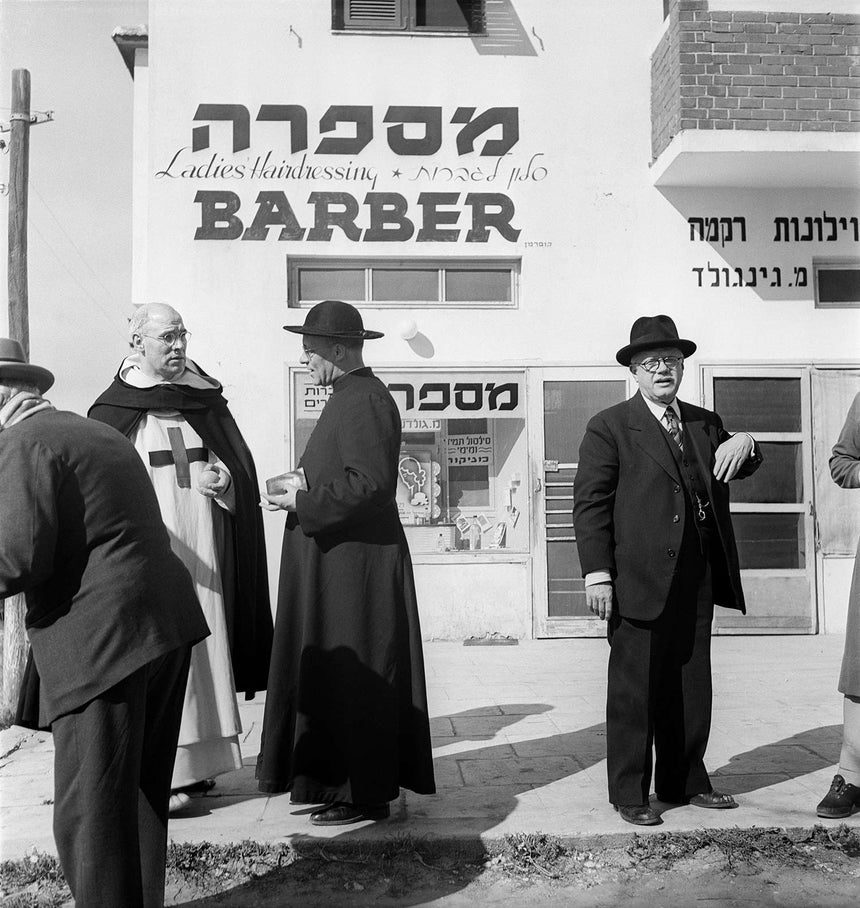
(629, 510)
(845, 470)
(346, 709)
(82, 538)
(242, 558)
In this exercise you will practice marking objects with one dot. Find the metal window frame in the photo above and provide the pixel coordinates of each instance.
(834, 264)
(403, 22)
(441, 264)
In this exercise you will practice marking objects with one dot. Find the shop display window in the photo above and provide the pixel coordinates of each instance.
(463, 458)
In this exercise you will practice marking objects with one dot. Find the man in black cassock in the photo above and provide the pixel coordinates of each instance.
(206, 484)
(346, 723)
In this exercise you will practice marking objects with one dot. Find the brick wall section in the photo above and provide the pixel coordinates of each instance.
(787, 72)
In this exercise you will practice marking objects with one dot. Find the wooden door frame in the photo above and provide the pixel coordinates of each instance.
(542, 625)
(707, 373)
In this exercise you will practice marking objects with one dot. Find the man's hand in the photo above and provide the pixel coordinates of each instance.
(212, 481)
(598, 596)
(731, 455)
(286, 501)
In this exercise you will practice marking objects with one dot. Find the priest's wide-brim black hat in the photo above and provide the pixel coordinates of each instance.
(649, 332)
(333, 318)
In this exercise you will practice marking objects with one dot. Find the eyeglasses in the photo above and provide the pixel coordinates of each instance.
(308, 352)
(653, 364)
(170, 338)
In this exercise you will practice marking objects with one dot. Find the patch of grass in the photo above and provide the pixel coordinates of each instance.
(524, 853)
(842, 837)
(35, 881)
(741, 846)
(209, 868)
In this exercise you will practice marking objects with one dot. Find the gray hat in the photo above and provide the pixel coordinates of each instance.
(14, 365)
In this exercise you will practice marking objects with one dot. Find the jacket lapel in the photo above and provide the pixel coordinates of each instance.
(648, 435)
(696, 432)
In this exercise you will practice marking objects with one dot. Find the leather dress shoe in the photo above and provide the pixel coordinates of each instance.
(841, 801)
(341, 814)
(638, 814)
(713, 800)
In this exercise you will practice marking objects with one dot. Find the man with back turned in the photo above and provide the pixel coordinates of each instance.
(111, 617)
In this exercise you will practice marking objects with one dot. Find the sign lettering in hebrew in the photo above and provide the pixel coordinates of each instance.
(728, 230)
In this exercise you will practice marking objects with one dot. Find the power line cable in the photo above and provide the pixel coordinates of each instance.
(72, 242)
(86, 292)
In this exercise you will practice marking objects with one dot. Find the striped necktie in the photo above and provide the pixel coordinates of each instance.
(674, 426)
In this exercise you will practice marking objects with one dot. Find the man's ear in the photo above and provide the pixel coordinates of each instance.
(137, 342)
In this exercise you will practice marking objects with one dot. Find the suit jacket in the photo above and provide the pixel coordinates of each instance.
(82, 538)
(629, 505)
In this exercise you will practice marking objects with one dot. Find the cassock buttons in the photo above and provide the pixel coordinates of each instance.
(676, 489)
(671, 553)
(676, 519)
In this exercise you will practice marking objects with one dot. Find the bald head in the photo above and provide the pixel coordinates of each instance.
(158, 336)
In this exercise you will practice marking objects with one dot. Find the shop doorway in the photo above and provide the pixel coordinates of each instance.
(568, 398)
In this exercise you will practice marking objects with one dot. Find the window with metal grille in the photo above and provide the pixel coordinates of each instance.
(412, 282)
(449, 16)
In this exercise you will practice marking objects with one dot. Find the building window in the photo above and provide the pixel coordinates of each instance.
(837, 284)
(404, 282)
(412, 16)
(463, 456)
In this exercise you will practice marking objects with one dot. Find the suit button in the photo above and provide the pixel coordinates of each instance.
(676, 519)
(671, 553)
(676, 489)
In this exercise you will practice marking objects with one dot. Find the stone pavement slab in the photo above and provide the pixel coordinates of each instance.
(519, 746)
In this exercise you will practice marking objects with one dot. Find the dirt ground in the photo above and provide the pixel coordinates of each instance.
(749, 867)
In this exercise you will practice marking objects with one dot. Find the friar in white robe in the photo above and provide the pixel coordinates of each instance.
(199, 496)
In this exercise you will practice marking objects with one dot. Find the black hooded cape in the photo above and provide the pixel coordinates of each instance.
(246, 588)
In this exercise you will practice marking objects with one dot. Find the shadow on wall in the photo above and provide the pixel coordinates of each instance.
(505, 33)
(761, 242)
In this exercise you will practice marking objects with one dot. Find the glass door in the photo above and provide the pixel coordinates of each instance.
(569, 398)
(772, 510)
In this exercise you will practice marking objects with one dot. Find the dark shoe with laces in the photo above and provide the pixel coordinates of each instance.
(841, 801)
(713, 800)
(638, 814)
(341, 814)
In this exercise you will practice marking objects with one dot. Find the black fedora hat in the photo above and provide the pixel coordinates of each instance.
(652, 331)
(14, 365)
(332, 318)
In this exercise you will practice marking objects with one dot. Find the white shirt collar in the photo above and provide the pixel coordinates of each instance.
(131, 373)
(659, 409)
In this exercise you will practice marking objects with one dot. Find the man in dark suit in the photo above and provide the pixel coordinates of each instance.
(111, 617)
(655, 540)
(346, 723)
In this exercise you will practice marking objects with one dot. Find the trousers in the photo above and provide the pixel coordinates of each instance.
(658, 708)
(113, 761)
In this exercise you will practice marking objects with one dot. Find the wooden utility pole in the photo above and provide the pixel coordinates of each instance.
(14, 609)
(19, 170)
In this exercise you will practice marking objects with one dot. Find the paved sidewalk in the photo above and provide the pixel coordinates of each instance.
(519, 745)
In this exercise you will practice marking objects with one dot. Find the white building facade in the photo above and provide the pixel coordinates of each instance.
(503, 187)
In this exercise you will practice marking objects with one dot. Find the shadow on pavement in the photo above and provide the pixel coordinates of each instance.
(799, 755)
(477, 789)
